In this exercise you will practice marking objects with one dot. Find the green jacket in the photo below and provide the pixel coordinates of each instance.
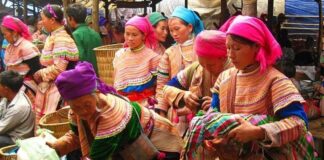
(86, 40)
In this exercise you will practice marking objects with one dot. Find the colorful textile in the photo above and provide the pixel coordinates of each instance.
(195, 79)
(211, 44)
(19, 52)
(159, 130)
(155, 18)
(256, 93)
(174, 59)
(116, 126)
(86, 45)
(143, 24)
(135, 72)
(82, 80)
(160, 49)
(59, 46)
(17, 25)
(190, 17)
(256, 31)
(215, 124)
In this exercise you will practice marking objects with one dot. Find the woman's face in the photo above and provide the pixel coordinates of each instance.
(179, 31)
(84, 106)
(8, 35)
(213, 65)
(242, 55)
(133, 37)
(161, 30)
(47, 22)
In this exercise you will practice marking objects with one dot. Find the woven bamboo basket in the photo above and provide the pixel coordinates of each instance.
(105, 55)
(57, 122)
(6, 149)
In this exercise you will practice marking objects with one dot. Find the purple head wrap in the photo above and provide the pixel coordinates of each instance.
(80, 81)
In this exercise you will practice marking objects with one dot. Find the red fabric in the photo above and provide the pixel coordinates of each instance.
(138, 96)
(16, 25)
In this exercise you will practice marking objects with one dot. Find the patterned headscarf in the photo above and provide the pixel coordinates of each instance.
(16, 25)
(156, 17)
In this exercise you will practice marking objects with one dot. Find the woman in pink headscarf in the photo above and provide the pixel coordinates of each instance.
(191, 87)
(255, 87)
(135, 64)
(21, 54)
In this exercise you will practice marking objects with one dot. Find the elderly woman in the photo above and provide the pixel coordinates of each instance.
(21, 55)
(184, 25)
(254, 86)
(191, 86)
(103, 123)
(135, 64)
(160, 25)
(60, 53)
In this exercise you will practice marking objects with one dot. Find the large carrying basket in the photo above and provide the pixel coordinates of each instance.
(57, 122)
(5, 150)
(105, 55)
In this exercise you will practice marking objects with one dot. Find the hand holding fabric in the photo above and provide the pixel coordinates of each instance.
(191, 100)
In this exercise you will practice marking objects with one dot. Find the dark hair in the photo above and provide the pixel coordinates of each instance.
(118, 26)
(57, 11)
(242, 40)
(77, 12)
(12, 80)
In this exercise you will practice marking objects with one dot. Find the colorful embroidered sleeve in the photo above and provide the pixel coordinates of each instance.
(51, 72)
(65, 48)
(163, 76)
(284, 131)
(283, 93)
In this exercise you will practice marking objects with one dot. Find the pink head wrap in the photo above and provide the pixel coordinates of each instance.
(210, 44)
(255, 30)
(17, 25)
(144, 25)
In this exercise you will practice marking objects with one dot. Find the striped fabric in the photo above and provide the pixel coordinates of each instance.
(175, 59)
(257, 93)
(135, 73)
(216, 124)
(59, 45)
(17, 53)
(160, 49)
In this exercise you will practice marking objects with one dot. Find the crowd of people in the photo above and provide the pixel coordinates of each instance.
(212, 94)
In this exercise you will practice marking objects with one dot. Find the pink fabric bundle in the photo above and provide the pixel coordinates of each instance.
(210, 44)
(255, 30)
(17, 25)
(144, 25)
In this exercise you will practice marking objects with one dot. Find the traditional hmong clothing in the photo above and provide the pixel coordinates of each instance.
(269, 93)
(23, 57)
(59, 54)
(135, 74)
(86, 45)
(160, 49)
(216, 124)
(175, 59)
(116, 125)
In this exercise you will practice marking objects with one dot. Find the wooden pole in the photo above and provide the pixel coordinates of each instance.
(95, 15)
(249, 8)
(320, 33)
(270, 14)
(25, 10)
(186, 3)
(224, 12)
(65, 6)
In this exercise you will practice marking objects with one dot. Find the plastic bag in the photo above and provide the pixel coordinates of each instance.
(36, 148)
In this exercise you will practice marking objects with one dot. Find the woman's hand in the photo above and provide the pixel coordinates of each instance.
(191, 100)
(246, 132)
(183, 111)
(207, 102)
(38, 77)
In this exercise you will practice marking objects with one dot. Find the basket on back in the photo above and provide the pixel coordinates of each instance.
(4, 155)
(105, 56)
(57, 122)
